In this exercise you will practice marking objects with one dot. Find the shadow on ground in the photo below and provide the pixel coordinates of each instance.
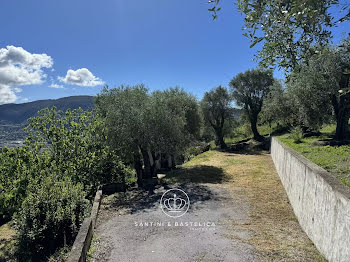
(196, 174)
(141, 200)
(190, 180)
(250, 147)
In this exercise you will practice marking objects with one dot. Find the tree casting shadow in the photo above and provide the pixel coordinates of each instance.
(190, 180)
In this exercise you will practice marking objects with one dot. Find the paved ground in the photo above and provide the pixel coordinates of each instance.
(235, 226)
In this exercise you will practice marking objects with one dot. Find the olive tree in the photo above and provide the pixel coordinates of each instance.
(278, 107)
(217, 111)
(143, 126)
(320, 88)
(125, 109)
(249, 89)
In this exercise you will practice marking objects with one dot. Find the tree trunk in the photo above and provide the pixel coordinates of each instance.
(220, 138)
(157, 161)
(146, 163)
(173, 163)
(253, 125)
(154, 166)
(342, 130)
(342, 114)
(138, 169)
(169, 161)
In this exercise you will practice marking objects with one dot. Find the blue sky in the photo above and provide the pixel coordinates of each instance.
(159, 43)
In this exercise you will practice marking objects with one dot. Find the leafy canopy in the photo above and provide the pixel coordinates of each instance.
(288, 28)
(249, 89)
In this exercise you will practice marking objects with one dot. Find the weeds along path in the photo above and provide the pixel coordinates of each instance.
(239, 206)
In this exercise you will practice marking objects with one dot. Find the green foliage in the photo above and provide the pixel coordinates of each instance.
(218, 112)
(125, 109)
(140, 125)
(249, 90)
(215, 8)
(50, 217)
(278, 107)
(317, 88)
(296, 134)
(195, 150)
(242, 131)
(18, 167)
(48, 182)
(76, 143)
(288, 29)
(174, 120)
(162, 121)
(328, 129)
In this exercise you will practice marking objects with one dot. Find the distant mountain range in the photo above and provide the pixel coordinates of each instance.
(19, 113)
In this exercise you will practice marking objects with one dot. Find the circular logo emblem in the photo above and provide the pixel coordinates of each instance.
(175, 202)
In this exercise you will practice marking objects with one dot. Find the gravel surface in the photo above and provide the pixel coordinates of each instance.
(123, 235)
(239, 200)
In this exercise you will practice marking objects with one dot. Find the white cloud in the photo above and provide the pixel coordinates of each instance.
(19, 67)
(81, 77)
(7, 95)
(56, 86)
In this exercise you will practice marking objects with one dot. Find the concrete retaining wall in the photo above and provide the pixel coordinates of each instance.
(320, 202)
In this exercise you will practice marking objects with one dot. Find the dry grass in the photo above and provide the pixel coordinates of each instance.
(275, 231)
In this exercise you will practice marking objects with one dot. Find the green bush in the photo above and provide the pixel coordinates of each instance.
(49, 218)
(242, 131)
(18, 166)
(296, 134)
(77, 144)
(49, 181)
(195, 150)
(69, 144)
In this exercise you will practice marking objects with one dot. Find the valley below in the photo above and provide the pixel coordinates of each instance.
(11, 135)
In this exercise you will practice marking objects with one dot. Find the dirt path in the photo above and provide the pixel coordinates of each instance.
(238, 212)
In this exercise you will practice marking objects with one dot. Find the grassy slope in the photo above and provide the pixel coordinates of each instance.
(335, 159)
(276, 233)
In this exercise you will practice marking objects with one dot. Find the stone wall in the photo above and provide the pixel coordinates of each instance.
(320, 202)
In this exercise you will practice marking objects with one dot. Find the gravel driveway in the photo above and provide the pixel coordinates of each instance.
(238, 211)
(202, 234)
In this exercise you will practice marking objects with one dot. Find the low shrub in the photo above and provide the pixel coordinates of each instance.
(195, 150)
(296, 134)
(49, 218)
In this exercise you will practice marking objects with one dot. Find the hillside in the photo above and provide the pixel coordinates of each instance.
(13, 116)
(18, 113)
